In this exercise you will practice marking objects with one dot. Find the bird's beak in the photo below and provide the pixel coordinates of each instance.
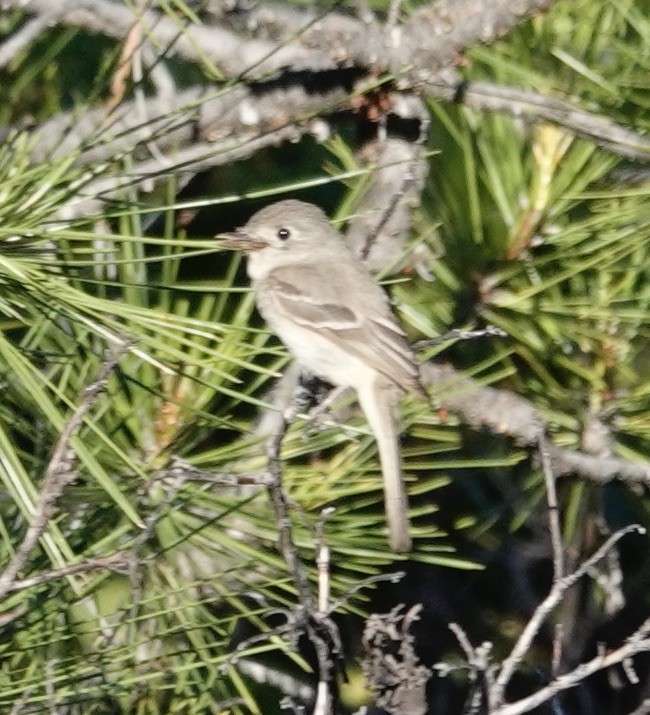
(240, 239)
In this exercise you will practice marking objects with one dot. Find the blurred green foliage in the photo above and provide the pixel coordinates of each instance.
(532, 231)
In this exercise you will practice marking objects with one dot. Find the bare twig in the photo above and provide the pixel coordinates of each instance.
(280, 503)
(460, 334)
(494, 691)
(179, 467)
(463, 641)
(558, 648)
(320, 629)
(553, 509)
(379, 230)
(59, 473)
(394, 193)
(116, 562)
(486, 96)
(23, 37)
(554, 597)
(277, 678)
(637, 643)
(323, 563)
(323, 704)
(394, 577)
(480, 669)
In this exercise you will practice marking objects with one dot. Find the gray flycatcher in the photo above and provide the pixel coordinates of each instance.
(337, 322)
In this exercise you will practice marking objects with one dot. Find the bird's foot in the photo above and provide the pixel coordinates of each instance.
(319, 418)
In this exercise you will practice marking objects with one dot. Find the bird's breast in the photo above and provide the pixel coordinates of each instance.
(316, 351)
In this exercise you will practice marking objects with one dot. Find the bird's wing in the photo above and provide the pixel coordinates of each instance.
(350, 310)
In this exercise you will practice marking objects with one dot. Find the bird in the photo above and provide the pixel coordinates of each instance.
(337, 322)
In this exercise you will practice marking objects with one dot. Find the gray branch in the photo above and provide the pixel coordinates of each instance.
(59, 473)
(244, 113)
(559, 588)
(486, 96)
(509, 414)
(22, 38)
(317, 43)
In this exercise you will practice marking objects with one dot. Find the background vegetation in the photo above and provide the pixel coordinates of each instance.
(182, 602)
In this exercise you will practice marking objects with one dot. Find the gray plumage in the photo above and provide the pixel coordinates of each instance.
(337, 323)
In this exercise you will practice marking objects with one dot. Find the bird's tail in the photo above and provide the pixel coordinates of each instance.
(377, 403)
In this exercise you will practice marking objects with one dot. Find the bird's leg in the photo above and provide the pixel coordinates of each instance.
(316, 397)
(320, 417)
(311, 390)
(320, 413)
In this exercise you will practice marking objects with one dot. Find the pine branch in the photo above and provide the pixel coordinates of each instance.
(506, 413)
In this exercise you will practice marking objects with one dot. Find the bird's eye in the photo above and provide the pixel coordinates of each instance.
(283, 234)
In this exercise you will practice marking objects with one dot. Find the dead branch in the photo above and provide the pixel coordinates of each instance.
(21, 39)
(333, 41)
(636, 643)
(317, 624)
(480, 669)
(180, 469)
(511, 415)
(489, 694)
(487, 96)
(59, 473)
(280, 503)
(212, 115)
(552, 503)
(223, 48)
(118, 562)
(240, 120)
(187, 162)
(525, 641)
(391, 666)
(381, 226)
(600, 470)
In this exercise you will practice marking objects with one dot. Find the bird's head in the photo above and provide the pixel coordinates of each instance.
(282, 226)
